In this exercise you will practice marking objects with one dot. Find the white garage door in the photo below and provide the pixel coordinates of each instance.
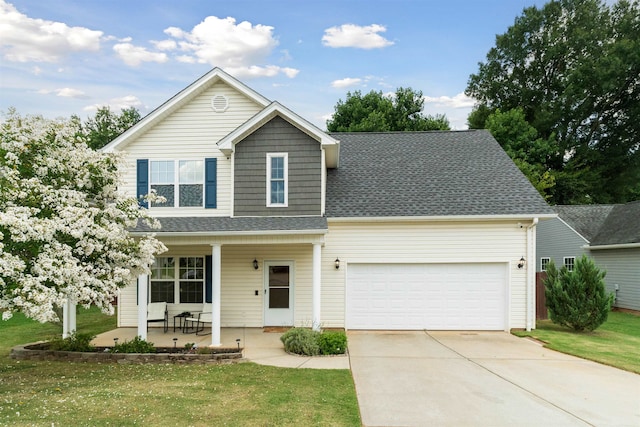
(426, 296)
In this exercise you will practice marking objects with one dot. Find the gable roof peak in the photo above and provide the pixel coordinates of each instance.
(330, 144)
(180, 99)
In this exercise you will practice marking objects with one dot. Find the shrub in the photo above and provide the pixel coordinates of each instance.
(136, 345)
(332, 342)
(577, 299)
(301, 341)
(75, 342)
(308, 342)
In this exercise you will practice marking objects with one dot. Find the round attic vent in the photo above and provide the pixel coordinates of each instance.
(219, 103)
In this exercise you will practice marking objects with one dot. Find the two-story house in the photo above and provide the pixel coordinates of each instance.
(270, 221)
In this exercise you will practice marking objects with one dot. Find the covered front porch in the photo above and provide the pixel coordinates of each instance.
(252, 272)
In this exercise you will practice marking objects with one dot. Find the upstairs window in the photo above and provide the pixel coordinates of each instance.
(570, 262)
(191, 179)
(163, 181)
(277, 179)
(181, 182)
(544, 263)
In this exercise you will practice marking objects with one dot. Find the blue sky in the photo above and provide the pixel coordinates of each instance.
(66, 57)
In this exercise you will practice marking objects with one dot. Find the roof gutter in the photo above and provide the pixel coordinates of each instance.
(228, 233)
(616, 246)
(531, 217)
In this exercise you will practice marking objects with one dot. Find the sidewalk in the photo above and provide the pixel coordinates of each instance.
(263, 348)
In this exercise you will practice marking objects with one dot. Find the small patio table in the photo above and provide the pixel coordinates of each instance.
(180, 318)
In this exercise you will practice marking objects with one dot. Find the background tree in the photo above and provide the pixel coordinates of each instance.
(530, 153)
(63, 222)
(573, 66)
(577, 299)
(376, 112)
(107, 125)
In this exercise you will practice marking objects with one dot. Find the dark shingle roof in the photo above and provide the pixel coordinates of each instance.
(621, 226)
(585, 219)
(225, 224)
(427, 174)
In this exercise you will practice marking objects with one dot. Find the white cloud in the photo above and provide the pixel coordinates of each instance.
(68, 92)
(346, 82)
(236, 47)
(65, 92)
(456, 108)
(135, 55)
(266, 71)
(186, 59)
(36, 70)
(117, 104)
(165, 44)
(24, 39)
(458, 101)
(350, 35)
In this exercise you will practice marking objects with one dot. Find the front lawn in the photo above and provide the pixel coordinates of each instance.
(48, 393)
(615, 343)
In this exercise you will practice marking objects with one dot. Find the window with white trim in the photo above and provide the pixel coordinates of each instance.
(569, 262)
(277, 179)
(189, 176)
(184, 284)
(544, 263)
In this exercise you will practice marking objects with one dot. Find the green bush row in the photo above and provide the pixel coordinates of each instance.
(136, 345)
(308, 342)
(74, 342)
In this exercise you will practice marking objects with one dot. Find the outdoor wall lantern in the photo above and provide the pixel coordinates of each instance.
(255, 264)
(337, 262)
(521, 262)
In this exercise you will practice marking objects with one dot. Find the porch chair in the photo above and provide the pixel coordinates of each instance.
(157, 312)
(200, 319)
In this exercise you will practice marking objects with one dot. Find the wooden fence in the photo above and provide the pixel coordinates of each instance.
(541, 301)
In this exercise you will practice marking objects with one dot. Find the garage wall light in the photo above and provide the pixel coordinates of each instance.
(521, 263)
(337, 263)
(255, 264)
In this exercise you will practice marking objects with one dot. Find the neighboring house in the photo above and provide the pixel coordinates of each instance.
(270, 221)
(610, 234)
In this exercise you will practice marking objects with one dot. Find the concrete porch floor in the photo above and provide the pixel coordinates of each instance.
(264, 348)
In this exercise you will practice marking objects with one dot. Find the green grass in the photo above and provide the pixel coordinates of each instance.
(615, 343)
(246, 394)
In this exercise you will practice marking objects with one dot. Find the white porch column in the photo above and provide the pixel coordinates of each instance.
(65, 318)
(71, 301)
(216, 266)
(142, 306)
(316, 287)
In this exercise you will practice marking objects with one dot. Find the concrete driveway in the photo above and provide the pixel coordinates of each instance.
(484, 379)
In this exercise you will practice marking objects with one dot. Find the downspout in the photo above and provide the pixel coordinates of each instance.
(531, 278)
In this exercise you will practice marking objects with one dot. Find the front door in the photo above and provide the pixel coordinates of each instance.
(278, 283)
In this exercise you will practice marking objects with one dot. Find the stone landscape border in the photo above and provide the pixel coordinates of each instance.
(39, 352)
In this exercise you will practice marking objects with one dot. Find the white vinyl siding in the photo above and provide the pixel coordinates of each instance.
(421, 242)
(502, 242)
(240, 306)
(191, 133)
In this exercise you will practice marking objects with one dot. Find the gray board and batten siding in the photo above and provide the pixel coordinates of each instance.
(304, 164)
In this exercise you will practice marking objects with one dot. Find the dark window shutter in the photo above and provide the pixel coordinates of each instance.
(210, 178)
(142, 187)
(208, 278)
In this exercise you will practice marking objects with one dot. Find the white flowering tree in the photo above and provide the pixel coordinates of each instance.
(63, 221)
